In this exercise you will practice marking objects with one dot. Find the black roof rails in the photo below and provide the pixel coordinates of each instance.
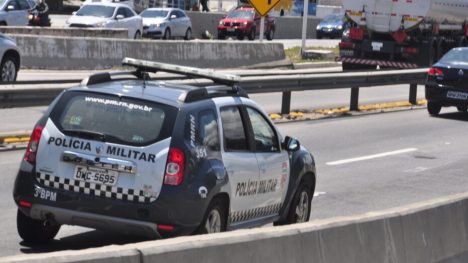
(107, 76)
(212, 92)
(151, 66)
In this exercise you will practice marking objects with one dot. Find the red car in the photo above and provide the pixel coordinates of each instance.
(245, 21)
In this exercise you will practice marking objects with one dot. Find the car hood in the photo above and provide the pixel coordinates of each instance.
(152, 21)
(87, 20)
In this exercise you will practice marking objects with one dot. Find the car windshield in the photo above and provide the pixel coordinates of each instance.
(455, 56)
(336, 19)
(116, 119)
(154, 13)
(96, 10)
(240, 14)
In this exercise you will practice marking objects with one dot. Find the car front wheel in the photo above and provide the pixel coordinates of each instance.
(433, 108)
(270, 34)
(188, 34)
(35, 231)
(167, 34)
(9, 69)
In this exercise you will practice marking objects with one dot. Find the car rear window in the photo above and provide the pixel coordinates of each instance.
(455, 56)
(116, 119)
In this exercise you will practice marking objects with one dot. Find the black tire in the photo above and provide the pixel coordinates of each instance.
(167, 34)
(3, 23)
(188, 34)
(462, 108)
(8, 69)
(271, 34)
(240, 36)
(251, 35)
(433, 108)
(303, 198)
(35, 231)
(217, 212)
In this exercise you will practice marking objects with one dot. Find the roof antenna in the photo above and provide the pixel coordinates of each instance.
(143, 75)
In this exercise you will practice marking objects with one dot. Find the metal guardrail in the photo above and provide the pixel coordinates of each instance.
(34, 93)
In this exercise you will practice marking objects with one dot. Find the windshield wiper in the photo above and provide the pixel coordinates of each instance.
(87, 134)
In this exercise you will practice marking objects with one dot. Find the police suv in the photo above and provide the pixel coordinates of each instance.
(158, 159)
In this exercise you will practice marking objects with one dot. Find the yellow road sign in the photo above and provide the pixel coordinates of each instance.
(263, 6)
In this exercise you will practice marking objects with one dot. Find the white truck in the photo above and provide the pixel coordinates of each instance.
(401, 33)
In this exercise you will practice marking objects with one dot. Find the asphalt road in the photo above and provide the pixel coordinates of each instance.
(365, 163)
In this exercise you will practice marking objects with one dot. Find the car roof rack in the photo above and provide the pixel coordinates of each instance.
(212, 92)
(151, 66)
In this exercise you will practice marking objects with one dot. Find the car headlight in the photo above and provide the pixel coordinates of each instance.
(221, 23)
(340, 27)
(102, 24)
(245, 23)
(319, 27)
(160, 24)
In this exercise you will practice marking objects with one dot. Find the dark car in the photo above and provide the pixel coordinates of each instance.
(331, 26)
(245, 22)
(447, 82)
(159, 159)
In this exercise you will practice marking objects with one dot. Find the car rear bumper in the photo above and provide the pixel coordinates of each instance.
(447, 95)
(67, 207)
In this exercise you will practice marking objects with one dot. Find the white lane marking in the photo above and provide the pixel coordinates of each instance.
(374, 156)
(416, 170)
(319, 193)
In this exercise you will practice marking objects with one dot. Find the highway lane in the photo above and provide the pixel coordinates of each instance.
(365, 163)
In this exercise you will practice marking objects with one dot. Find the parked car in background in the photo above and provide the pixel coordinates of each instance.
(331, 26)
(10, 56)
(245, 22)
(14, 12)
(447, 82)
(108, 15)
(166, 23)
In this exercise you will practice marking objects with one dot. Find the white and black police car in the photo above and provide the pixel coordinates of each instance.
(158, 159)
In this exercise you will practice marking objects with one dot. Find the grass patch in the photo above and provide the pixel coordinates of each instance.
(294, 54)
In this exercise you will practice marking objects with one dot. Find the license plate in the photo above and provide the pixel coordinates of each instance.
(96, 175)
(457, 95)
(230, 29)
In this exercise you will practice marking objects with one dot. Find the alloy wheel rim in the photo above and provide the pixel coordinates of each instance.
(302, 208)
(8, 71)
(213, 222)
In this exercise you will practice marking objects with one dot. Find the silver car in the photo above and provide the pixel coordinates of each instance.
(10, 56)
(166, 23)
(14, 12)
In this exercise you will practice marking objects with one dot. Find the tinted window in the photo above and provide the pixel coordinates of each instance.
(264, 135)
(241, 14)
(180, 14)
(120, 120)
(154, 13)
(96, 10)
(458, 55)
(209, 130)
(233, 129)
(23, 4)
(121, 11)
(14, 4)
(128, 12)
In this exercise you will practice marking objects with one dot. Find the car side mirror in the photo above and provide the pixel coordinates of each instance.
(291, 144)
(74, 13)
(119, 17)
(10, 8)
(173, 16)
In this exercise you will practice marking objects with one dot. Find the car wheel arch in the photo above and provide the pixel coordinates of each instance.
(15, 55)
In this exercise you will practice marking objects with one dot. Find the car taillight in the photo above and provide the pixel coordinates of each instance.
(356, 33)
(348, 45)
(411, 50)
(435, 72)
(175, 167)
(33, 145)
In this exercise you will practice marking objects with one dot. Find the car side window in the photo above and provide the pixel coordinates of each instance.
(23, 4)
(235, 138)
(209, 130)
(172, 13)
(264, 135)
(14, 4)
(181, 14)
(121, 11)
(129, 13)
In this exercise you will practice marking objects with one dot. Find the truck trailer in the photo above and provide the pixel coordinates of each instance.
(401, 33)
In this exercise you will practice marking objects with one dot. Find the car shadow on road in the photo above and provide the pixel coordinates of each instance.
(91, 239)
(457, 116)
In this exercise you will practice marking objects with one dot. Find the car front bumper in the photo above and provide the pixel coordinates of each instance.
(233, 31)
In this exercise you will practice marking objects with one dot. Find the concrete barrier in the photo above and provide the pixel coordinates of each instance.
(286, 27)
(99, 53)
(433, 231)
(66, 32)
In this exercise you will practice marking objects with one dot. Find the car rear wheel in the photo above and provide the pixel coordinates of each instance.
(462, 109)
(214, 220)
(240, 36)
(35, 231)
(9, 69)
(433, 108)
(167, 34)
(270, 34)
(188, 34)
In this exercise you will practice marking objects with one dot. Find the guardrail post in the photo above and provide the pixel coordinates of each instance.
(354, 104)
(286, 102)
(413, 94)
